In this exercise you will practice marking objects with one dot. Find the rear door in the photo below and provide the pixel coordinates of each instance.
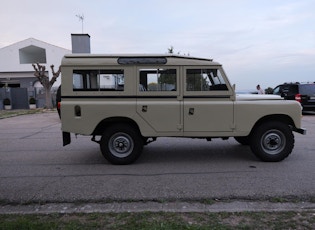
(158, 101)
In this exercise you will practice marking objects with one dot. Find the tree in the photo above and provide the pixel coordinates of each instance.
(269, 90)
(40, 73)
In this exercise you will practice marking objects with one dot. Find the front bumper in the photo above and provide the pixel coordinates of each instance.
(299, 130)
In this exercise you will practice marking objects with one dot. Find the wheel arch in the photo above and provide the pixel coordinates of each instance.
(274, 117)
(112, 121)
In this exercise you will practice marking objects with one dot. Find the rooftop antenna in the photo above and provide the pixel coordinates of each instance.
(81, 18)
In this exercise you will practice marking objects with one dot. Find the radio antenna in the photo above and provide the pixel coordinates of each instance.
(81, 18)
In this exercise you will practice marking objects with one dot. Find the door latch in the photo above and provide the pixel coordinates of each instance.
(144, 108)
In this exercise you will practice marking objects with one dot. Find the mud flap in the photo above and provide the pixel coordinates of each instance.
(66, 138)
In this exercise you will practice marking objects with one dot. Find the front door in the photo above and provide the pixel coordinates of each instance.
(208, 106)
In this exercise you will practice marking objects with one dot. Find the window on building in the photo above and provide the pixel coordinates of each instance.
(32, 54)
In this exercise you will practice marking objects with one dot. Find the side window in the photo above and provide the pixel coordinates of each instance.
(111, 79)
(204, 80)
(98, 80)
(157, 80)
(289, 90)
(85, 80)
(277, 90)
(307, 89)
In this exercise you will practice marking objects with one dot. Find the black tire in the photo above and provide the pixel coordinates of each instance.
(121, 144)
(243, 140)
(272, 141)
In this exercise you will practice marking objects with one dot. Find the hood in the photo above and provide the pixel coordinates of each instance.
(257, 97)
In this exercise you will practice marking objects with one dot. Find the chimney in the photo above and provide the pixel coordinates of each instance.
(80, 43)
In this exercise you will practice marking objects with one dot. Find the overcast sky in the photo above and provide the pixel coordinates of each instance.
(264, 42)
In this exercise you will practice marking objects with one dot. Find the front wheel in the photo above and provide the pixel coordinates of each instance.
(272, 141)
(121, 144)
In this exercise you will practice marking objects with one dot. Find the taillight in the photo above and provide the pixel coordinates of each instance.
(58, 104)
(298, 97)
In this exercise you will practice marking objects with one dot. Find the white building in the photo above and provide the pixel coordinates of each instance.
(16, 71)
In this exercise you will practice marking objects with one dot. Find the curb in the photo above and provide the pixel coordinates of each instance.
(117, 207)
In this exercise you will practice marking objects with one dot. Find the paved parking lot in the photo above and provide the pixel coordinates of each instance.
(34, 167)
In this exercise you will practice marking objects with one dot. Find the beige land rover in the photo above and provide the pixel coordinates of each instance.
(127, 101)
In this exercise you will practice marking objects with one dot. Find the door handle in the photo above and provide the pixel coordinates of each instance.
(191, 111)
(144, 108)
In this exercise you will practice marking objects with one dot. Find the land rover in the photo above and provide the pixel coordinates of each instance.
(127, 101)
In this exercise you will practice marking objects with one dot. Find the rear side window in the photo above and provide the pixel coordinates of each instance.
(98, 80)
(157, 80)
(286, 90)
(308, 89)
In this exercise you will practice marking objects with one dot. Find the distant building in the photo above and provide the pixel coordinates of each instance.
(17, 80)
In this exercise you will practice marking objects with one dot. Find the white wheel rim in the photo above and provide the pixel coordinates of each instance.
(273, 142)
(121, 145)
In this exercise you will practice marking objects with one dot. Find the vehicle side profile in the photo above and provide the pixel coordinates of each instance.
(304, 93)
(127, 101)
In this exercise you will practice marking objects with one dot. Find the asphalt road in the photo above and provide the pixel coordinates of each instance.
(34, 167)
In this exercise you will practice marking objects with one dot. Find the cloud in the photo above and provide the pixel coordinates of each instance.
(251, 38)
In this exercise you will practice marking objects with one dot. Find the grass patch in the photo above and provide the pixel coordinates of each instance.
(18, 112)
(162, 220)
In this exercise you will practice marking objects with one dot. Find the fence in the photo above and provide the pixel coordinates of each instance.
(19, 97)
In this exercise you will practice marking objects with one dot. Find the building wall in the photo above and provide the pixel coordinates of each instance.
(10, 58)
(16, 64)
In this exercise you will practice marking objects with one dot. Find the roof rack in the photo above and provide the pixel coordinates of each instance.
(298, 83)
(287, 83)
(144, 56)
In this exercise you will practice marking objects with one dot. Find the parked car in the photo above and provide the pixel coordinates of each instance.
(127, 101)
(301, 92)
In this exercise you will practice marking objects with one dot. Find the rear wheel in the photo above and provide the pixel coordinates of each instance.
(272, 141)
(121, 144)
